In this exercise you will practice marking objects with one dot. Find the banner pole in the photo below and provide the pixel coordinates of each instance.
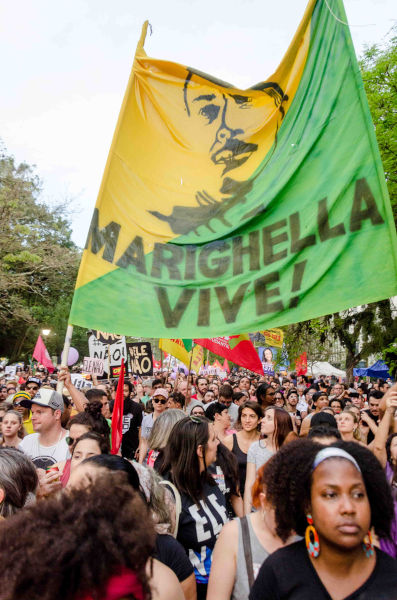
(161, 362)
(189, 377)
(108, 361)
(65, 354)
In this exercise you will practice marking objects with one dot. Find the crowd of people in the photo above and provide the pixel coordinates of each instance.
(264, 487)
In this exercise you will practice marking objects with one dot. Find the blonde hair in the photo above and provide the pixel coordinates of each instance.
(356, 432)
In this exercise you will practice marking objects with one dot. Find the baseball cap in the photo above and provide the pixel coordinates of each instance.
(45, 397)
(34, 380)
(161, 392)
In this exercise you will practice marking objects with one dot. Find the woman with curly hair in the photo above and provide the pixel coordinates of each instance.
(233, 570)
(92, 543)
(333, 496)
(18, 481)
(275, 426)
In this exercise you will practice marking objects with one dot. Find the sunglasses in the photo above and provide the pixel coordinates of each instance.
(32, 387)
(157, 400)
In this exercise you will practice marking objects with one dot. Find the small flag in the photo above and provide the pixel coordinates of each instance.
(301, 364)
(40, 353)
(117, 417)
(226, 367)
(177, 348)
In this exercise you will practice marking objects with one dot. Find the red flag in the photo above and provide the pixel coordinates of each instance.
(117, 416)
(301, 364)
(40, 353)
(226, 366)
(236, 348)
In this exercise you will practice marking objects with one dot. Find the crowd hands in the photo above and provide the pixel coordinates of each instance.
(260, 487)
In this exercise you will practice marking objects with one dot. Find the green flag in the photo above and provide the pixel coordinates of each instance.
(224, 211)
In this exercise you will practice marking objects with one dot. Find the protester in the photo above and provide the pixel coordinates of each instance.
(233, 568)
(333, 496)
(24, 412)
(18, 482)
(176, 400)
(324, 435)
(226, 398)
(385, 449)
(12, 429)
(276, 424)
(159, 399)
(249, 417)
(348, 426)
(159, 435)
(319, 401)
(103, 542)
(48, 445)
(219, 415)
(191, 449)
(265, 395)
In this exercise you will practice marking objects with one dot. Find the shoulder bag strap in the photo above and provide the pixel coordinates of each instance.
(247, 550)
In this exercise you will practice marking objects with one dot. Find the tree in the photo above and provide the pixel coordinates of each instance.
(310, 337)
(363, 331)
(379, 71)
(38, 260)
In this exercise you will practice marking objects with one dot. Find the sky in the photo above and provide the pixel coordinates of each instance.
(65, 66)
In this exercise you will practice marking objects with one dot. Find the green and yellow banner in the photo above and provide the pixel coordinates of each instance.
(224, 211)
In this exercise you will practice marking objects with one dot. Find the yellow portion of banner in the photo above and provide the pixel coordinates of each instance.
(176, 348)
(274, 337)
(183, 142)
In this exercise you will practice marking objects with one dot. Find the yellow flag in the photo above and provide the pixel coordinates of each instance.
(274, 337)
(176, 348)
(197, 358)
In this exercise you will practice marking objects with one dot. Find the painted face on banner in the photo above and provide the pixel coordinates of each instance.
(224, 131)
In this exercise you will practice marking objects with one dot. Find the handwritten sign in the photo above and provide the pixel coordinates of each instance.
(95, 366)
(141, 358)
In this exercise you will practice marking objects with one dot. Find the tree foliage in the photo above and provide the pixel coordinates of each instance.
(38, 260)
(379, 71)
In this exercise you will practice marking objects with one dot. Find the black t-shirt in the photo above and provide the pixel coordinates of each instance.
(171, 553)
(132, 419)
(199, 527)
(288, 574)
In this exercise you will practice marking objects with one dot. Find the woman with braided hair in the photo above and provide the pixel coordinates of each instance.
(333, 496)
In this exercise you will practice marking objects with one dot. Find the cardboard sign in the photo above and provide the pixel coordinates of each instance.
(117, 351)
(79, 382)
(141, 358)
(94, 366)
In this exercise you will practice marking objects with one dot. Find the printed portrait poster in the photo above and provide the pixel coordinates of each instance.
(267, 356)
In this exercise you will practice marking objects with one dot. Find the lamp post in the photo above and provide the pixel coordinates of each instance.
(46, 332)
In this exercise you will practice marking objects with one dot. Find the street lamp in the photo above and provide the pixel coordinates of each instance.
(46, 332)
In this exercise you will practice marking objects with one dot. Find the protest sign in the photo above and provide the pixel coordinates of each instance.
(106, 338)
(79, 382)
(10, 370)
(141, 358)
(255, 228)
(95, 366)
(274, 337)
(115, 372)
(117, 351)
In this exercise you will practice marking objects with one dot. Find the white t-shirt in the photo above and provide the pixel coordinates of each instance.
(147, 425)
(44, 456)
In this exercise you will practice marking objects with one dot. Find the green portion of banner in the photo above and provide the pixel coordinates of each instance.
(310, 233)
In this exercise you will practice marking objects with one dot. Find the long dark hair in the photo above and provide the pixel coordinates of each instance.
(229, 465)
(181, 458)
(261, 392)
(282, 425)
(92, 418)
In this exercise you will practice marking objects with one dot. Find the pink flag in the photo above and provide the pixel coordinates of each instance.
(40, 353)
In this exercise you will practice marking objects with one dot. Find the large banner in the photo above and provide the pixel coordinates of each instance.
(224, 211)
